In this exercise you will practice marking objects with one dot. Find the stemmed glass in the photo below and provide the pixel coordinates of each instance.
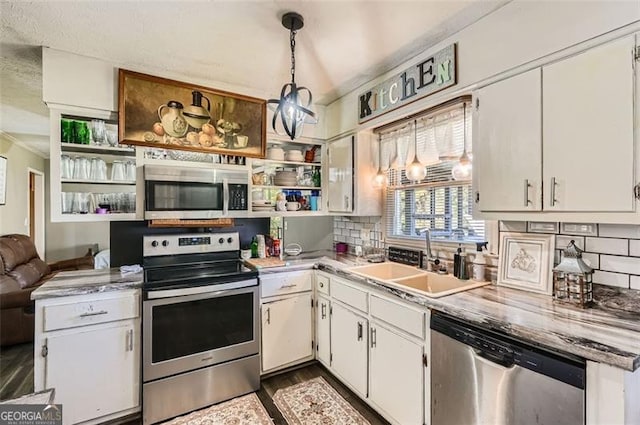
(98, 130)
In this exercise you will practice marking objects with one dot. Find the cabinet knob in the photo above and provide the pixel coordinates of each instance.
(221, 240)
(165, 243)
(154, 244)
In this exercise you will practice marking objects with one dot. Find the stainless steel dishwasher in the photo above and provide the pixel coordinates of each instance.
(480, 377)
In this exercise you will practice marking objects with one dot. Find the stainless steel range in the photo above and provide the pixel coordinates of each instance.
(200, 324)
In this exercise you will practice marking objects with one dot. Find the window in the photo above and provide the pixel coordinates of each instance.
(437, 202)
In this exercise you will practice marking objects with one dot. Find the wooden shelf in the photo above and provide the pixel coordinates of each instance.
(96, 217)
(110, 182)
(97, 149)
(296, 163)
(275, 213)
(287, 187)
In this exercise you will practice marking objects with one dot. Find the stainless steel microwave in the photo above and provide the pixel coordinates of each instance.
(194, 193)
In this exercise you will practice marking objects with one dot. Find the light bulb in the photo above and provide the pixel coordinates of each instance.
(379, 180)
(462, 170)
(416, 171)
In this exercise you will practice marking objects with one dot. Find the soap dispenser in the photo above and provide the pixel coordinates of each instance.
(460, 264)
(479, 262)
(456, 261)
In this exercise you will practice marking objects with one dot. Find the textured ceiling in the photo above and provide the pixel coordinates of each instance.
(241, 43)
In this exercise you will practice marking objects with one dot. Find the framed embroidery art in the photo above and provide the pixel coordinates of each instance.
(526, 261)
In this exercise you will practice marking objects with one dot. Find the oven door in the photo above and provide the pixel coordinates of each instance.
(189, 328)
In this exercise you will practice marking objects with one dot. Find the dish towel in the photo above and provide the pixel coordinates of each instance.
(127, 270)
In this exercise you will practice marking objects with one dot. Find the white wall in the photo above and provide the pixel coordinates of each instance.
(518, 33)
(14, 215)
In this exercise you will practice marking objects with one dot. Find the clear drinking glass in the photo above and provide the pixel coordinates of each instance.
(66, 167)
(67, 202)
(98, 130)
(118, 171)
(130, 170)
(81, 168)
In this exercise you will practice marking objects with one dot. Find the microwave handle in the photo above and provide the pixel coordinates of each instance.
(225, 197)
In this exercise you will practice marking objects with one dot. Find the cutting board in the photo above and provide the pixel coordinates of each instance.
(263, 263)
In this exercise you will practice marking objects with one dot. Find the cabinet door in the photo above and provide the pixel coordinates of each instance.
(323, 331)
(94, 371)
(341, 175)
(507, 144)
(286, 331)
(349, 347)
(588, 130)
(396, 375)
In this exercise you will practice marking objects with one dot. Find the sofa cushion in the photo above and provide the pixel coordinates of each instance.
(2, 270)
(16, 250)
(27, 274)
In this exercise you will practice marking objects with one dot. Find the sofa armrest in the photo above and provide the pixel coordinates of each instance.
(80, 263)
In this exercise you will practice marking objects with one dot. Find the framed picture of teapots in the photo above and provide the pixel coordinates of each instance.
(170, 114)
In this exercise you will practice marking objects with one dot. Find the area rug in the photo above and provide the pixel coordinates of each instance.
(316, 402)
(245, 410)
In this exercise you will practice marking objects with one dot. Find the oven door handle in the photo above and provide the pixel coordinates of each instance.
(214, 291)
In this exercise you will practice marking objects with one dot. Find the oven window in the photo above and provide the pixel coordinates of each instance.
(193, 327)
(183, 196)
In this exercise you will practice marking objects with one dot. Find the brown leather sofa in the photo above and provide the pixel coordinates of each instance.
(21, 272)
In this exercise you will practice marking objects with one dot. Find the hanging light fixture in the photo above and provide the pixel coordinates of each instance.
(416, 171)
(462, 170)
(380, 179)
(291, 111)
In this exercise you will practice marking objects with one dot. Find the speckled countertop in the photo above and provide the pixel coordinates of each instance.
(81, 282)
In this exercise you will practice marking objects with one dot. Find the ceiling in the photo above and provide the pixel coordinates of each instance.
(343, 44)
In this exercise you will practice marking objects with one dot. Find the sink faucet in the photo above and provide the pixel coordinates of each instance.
(431, 259)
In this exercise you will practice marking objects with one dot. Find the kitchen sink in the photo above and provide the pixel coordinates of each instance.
(412, 279)
(436, 285)
(387, 271)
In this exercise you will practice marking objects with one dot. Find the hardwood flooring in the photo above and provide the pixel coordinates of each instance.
(16, 371)
(16, 379)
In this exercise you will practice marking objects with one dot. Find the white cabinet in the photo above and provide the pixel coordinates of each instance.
(341, 172)
(349, 332)
(91, 356)
(560, 138)
(508, 144)
(396, 375)
(588, 130)
(323, 330)
(286, 331)
(352, 164)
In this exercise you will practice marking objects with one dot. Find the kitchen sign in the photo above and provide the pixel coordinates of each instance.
(431, 75)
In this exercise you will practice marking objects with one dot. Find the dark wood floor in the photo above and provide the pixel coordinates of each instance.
(16, 379)
(16, 371)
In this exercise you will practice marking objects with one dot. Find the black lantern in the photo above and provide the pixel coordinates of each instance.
(291, 111)
(572, 278)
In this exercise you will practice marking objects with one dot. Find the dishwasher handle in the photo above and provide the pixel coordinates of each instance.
(505, 360)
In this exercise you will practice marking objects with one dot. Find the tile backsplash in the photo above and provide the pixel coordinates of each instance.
(612, 249)
(349, 230)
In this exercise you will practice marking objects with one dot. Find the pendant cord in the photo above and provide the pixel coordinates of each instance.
(292, 40)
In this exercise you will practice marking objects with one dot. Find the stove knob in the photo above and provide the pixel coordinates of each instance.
(165, 243)
(230, 240)
(154, 244)
(221, 240)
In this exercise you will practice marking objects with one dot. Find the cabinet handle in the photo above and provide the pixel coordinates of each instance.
(288, 286)
(552, 191)
(45, 349)
(636, 191)
(527, 185)
(268, 315)
(130, 338)
(359, 331)
(95, 313)
(373, 337)
(346, 202)
(324, 311)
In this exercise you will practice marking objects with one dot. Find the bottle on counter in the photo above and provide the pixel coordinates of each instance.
(262, 246)
(254, 248)
(479, 262)
(460, 264)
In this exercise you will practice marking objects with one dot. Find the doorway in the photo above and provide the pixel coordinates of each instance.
(36, 210)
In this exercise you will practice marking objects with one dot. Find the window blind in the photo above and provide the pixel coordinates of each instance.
(438, 202)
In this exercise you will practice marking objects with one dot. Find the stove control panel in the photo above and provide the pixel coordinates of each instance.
(155, 245)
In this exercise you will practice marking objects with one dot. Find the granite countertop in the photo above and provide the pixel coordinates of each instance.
(81, 282)
(608, 333)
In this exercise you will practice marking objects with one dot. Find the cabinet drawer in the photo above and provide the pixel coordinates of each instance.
(398, 315)
(285, 283)
(349, 295)
(83, 313)
(322, 283)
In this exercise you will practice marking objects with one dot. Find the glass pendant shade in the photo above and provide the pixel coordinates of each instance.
(380, 179)
(462, 170)
(416, 171)
(291, 111)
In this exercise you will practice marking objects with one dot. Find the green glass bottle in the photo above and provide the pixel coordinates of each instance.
(254, 248)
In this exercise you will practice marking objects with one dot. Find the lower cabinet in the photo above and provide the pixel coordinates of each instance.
(396, 381)
(286, 331)
(88, 349)
(323, 330)
(349, 332)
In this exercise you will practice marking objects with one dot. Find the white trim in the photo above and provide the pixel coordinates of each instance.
(40, 227)
(22, 144)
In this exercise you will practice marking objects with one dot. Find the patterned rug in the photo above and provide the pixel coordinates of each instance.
(315, 402)
(245, 410)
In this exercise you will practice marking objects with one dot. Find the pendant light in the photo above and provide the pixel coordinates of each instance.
(380, 179)
(291, 111)
(416, 171)
(462, 170)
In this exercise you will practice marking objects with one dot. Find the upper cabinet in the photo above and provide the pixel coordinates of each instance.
(351, 166)
(560, 138)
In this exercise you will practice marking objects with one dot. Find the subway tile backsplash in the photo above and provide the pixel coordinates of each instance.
(612, 249)
(349, 230)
